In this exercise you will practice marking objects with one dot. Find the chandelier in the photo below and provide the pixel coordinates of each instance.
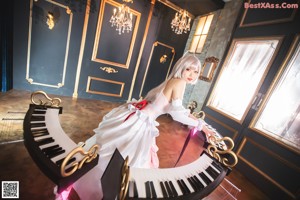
(181, 22)
(122, 19)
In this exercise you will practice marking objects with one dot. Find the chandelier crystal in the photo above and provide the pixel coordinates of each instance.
(122, 19)
(181, 22)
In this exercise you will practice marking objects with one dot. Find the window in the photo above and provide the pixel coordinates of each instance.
(201, 33)
(246, 66)
(280, 116)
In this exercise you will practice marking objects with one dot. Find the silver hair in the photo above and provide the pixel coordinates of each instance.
(184, 62)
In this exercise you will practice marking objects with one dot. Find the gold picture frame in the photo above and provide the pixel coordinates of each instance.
(208, 68)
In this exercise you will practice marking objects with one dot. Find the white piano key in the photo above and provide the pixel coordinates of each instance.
(208, 176)
(171, 174)
(217, 170)
(130, 188)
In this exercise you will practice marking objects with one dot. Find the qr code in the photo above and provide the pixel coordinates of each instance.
(10, 189)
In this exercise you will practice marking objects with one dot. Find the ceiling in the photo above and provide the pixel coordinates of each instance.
(199, 7)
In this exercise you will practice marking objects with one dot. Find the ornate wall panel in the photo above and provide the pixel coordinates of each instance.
(262, 12)
(158, 66)
(96, 85)
(119, 52)
(250, 151)
(48, 43)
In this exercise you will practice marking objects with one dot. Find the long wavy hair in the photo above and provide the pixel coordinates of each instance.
(184, 62)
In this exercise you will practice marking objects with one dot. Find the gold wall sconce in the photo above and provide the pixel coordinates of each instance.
(50, 20)
(208, 68)
(163, 59)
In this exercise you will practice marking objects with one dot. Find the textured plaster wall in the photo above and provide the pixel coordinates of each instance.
(215, 45)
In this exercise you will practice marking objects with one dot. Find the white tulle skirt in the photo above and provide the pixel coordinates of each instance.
(134, 138)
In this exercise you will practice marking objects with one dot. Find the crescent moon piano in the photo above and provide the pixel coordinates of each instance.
(193, 181)
(58, 157)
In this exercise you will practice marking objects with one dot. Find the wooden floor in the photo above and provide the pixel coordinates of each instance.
(79, 118)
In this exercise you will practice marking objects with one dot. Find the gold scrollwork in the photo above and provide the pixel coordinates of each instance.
(90, 155)
(125, 180)
(215, 152)
(55, 102)
(109, 70)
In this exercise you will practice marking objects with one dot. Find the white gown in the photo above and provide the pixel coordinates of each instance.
(134, 138)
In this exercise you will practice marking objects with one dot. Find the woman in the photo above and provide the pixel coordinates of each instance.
(132, 127)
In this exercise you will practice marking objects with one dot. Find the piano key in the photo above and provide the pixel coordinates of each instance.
(192, 184)
(197, 183)
(218, 167)
(175, 193)
(185, 186)
(147, 187)
(188, 185)
(153, 192)
(44, 141)
(39, 112)
(37, 118)
(212, 172)
(55, 153)
(135, 192)
(196, 179)
(51, 148)
(204, 178)
(208, 176)
(164, 191)
(170, 194)
(184, 191)
(130, 189)
(37, 125)
(39, 133)
(201, 180)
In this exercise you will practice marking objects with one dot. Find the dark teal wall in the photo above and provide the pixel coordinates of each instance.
(47, 46)
(45, 54)
(6, 13)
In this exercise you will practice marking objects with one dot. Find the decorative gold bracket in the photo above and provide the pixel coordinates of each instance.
(55, 102)
(215, 152)
(88, 157)
(109, 70)
(125, 180)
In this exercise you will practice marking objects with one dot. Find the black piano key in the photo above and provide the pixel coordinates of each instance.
(183, 190)
(41, 130)
(163, 189)
(60, 161)
(205, 178)
(147, 187)
(212, 172)
(185, 186)
(37, 118)
(135, 191)
(175, 193)
(192, 183)
(55, 153)
(153, 192)
(43, 141)
(36, 125)
(216, 165)
(40, 133)
(40, 111)
(200, 185)
(170, 194)
(51, 148)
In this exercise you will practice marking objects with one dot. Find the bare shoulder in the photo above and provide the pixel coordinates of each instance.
(174, 88)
